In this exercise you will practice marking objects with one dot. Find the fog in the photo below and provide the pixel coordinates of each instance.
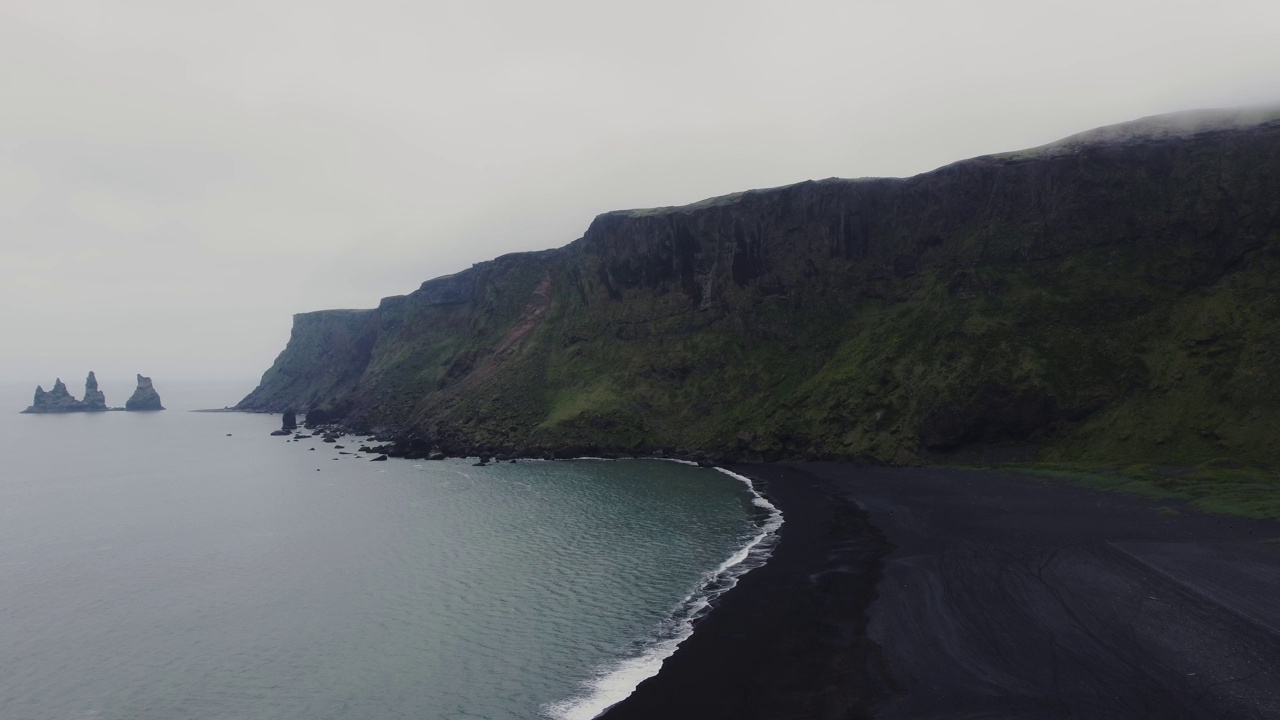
(177, 179)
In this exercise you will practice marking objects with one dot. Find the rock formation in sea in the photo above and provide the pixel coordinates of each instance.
(60, 400)
(94, 399)
(144, 396)
(1111, 295)
(289, 423)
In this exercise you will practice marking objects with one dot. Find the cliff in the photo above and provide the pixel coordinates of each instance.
(327, 352)
(1110, 296)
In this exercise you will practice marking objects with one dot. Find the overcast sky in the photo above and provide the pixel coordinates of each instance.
(178, 178)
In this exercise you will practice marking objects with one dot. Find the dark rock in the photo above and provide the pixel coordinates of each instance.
(280, 432)
(379, 458)
(144, 396)
(339, 447)
(290, 420)
(311, 448)
(329, 440)
(412, 446)
(993, 414)
(59, 400)
(436, 456)
(94, 400)
(318, 416)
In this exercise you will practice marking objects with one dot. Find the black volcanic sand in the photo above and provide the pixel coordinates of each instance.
(972, 594)
(790, 640)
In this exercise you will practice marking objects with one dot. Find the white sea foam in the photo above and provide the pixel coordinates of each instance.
(616, 682)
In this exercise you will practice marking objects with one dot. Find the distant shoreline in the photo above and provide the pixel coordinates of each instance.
(93, 411)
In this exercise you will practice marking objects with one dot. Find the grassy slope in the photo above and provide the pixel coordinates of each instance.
(1179, 376)
(1216, 486)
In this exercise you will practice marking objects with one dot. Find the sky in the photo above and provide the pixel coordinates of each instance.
(178, 179)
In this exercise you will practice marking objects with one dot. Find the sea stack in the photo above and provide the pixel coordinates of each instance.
(144, 397)
(288, 426)
(58, 400)
(94, 399)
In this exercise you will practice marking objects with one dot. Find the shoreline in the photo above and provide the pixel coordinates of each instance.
(766, 650)
(619, 680)
(944, 593)
(954, 593)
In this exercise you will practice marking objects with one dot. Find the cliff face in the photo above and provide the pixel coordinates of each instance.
(327, 352)
(1112, 296)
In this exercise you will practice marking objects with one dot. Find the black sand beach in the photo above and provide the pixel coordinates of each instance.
(937, 593)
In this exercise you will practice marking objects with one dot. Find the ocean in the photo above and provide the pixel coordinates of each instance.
(188, 565)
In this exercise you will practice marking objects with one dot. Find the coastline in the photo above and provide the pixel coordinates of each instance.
(620, 680)
(945, 593)
(935, 592)
(788, 640)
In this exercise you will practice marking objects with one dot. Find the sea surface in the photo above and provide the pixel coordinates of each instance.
(180, 565)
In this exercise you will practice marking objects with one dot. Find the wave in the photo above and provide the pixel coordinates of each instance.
(616, 682)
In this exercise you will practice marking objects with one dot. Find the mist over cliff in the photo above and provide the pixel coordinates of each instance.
(1114, 295)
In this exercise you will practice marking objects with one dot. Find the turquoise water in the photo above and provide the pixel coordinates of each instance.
(187, 565)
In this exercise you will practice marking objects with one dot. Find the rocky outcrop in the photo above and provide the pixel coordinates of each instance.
(1109, 296)
(94, 399)
(144, 397)
(59, 400)
(289, 423)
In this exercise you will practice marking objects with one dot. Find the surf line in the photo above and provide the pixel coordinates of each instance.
(616, 681)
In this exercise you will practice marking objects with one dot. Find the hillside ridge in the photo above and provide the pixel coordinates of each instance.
(1114, 297)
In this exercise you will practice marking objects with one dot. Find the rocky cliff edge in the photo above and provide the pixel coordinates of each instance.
(1110, 296)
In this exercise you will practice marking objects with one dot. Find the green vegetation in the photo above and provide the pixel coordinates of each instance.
(1217, 486)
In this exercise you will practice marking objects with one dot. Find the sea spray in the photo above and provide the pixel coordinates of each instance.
(615, 682)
